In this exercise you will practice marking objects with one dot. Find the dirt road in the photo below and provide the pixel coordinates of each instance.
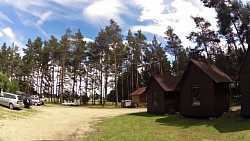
(57, 123)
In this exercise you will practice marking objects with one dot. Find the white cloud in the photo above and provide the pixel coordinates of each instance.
(31, 12)
(5, 17)
(155, 15)
(10, 37)
(88, 39)
(73, 3)
(8, 31)
(30, 6)
(176, 14)
(100, 11)
(43, 17)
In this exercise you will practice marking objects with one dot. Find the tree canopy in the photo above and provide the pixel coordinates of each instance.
(70, 68)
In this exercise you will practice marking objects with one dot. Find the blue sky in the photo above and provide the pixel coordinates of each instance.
(21, 20)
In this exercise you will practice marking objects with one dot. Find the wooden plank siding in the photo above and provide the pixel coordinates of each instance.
(139, 97)
(213, 89)
(244, 79)
(161, 95)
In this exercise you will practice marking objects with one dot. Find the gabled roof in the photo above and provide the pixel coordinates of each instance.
(212, 71)
(139, 91)
(167, 82)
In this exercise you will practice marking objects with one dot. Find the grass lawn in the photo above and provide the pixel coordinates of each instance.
(6, 113)
(108, 105)
(147, 127)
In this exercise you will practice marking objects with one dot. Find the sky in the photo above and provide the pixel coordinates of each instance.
(21, 20)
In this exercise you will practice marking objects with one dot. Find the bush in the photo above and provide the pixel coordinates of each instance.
(85, 99)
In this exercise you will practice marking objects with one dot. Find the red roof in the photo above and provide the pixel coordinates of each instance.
(138, 91)
(213, 72)
(167, 82)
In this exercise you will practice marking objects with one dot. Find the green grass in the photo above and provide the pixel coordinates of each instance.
(52, 104)
(108, 105)
(147, 127)
(6, 113)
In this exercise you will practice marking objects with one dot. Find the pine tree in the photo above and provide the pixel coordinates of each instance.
(173, 46)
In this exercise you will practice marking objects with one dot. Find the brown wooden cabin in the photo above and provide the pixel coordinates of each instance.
(204, 91)
(139, 97)
(161, 95)
(244, 82)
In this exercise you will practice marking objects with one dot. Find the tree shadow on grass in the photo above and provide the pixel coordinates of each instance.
(144, 114)
(228, 122)
(231, 122)
(183, 122)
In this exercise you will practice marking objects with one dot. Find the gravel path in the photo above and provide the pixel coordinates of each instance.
(57, 123)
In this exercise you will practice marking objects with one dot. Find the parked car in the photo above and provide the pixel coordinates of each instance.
(11, 100)
(26, 100)
(36, 100)
(43, 101)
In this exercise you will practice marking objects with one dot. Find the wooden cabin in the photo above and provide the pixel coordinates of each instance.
(244, 82)
(139, 97)
(161, 95)
(204, 90)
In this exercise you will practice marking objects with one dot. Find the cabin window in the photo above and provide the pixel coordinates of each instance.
(196, 97)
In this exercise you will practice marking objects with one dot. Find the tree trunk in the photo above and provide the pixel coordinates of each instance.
(128, 83)
(132, 78)
(86, 84)
(116, 90)
(238, 34)
(80, 88)
(101, 95)
(122, 86)
(52, 85)
(137, 77)
(106, 84)
(62, 78)
(93, 95)
(41, 82)
(73, 87)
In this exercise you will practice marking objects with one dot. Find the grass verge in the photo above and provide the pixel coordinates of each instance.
(6, 113)
(147, 127)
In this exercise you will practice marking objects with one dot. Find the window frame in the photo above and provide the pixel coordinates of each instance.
(194, 90)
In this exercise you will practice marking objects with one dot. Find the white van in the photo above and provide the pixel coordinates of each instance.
(11, 100)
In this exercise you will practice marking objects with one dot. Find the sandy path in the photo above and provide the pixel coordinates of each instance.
(56, 123)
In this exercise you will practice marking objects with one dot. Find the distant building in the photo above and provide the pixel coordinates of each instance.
(139, 97)
(161, 95)
(204, 90)
(244, 79)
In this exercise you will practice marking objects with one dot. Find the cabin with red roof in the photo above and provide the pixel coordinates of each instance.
(162, 97)
(139, 97)
(244, 79)
(204, 90)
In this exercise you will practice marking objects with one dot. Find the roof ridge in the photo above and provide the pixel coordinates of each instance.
(212, 67)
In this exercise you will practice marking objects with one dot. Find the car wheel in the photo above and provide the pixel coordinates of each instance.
(11, 106)
(35, 103)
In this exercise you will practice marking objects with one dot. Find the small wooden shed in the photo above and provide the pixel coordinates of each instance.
(161, 95)
(204, 90)
(139, 97)
(244, 82)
